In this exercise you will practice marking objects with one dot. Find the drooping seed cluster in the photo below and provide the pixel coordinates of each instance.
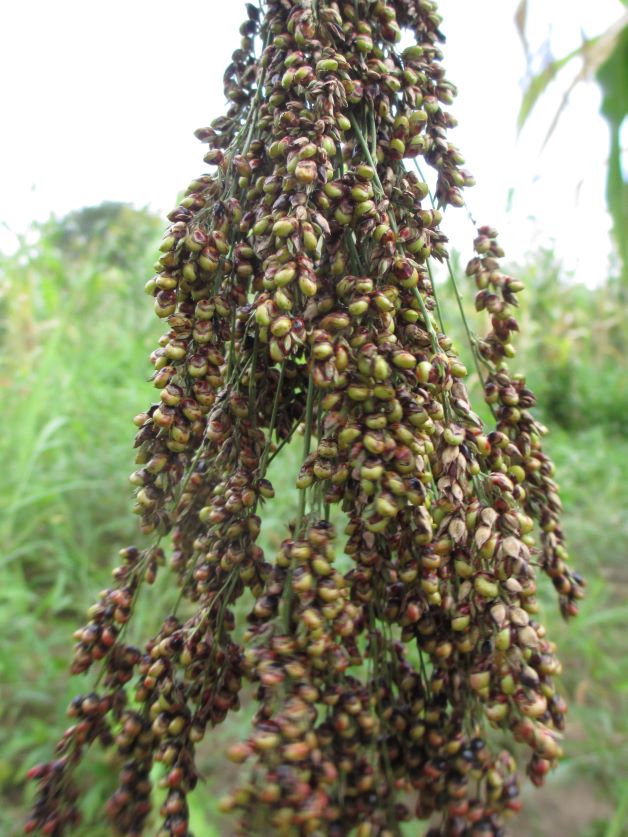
(296, 284)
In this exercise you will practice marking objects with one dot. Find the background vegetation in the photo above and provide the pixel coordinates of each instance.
(75, 334)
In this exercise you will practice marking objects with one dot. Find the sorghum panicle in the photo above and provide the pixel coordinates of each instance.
(296, 284)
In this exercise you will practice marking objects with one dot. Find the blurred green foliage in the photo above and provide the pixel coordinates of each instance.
(76, 332)
(604, 59)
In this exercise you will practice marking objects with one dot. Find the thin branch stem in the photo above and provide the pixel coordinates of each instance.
(439, 310)
(428, 321)
(307, 440)
(273, 420)
(367, 152)
(252, 383)
(283, 443)
(471, 338)
(356, 264)
(286, 597)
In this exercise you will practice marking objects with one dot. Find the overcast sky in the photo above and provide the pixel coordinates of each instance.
(100, 101)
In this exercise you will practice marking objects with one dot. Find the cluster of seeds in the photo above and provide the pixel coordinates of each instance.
(296, 284)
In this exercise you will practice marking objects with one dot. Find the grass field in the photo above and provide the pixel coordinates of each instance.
(75, 337)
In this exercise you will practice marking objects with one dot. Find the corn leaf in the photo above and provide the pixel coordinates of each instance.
(594, 52)
(612, 77)
(538, 83)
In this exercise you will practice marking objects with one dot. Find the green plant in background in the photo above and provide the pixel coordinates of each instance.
(603, 58)
(64, 445)
(116, 332)
(573, 341)
(55, 294)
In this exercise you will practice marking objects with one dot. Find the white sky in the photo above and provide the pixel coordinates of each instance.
(100, 101)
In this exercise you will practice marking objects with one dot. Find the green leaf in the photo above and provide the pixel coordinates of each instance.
(616, 825)
(539, 83)
(594, 52)
(613, 79)
(604, 58)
